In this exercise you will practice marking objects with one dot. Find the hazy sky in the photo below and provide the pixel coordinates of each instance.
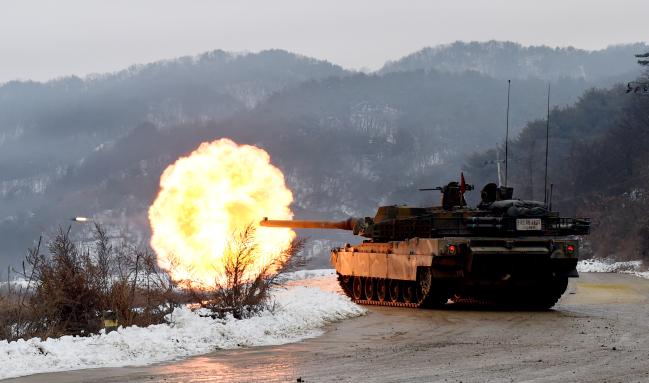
(42, 39)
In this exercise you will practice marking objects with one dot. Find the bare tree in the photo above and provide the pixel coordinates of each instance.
(242, 290)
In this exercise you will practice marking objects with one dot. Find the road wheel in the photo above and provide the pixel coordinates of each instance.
(357, 288)
(424, 282)
(394, 290)
(382, 289)
(345, 284)
(369, 288)
(408, 290)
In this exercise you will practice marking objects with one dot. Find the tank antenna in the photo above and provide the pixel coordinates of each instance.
(509, 84)
(547, 143)
(498, 166)
(551, 192)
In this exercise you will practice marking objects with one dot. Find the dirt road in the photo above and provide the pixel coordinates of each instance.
(599, 332)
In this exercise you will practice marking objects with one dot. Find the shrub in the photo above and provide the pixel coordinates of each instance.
(69, 289)
(242, 291)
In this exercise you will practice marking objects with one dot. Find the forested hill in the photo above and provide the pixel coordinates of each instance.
(36, 119)
(597, 162)
(346, 141)
(508, 60)
(50, 131)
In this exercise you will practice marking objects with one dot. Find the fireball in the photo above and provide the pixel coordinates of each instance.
(206, 198)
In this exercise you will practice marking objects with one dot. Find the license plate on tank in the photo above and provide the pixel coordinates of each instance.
(528, 224)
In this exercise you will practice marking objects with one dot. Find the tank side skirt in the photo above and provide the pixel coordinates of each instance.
(377, 265)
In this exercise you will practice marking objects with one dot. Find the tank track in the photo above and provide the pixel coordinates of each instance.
(387, 303)
(538, 301)
(345, 286)
(540, 298)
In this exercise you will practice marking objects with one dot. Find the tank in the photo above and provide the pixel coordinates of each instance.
(505, 251)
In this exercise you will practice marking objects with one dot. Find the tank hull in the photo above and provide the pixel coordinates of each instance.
(528, 272)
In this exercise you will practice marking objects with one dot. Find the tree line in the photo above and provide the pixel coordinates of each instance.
(597, 165)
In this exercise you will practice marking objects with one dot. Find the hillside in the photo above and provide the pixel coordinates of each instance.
(83, 114)
(508, 60)
(346, 142)
(50, 132)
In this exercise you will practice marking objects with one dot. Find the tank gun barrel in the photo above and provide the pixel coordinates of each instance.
(347, 224)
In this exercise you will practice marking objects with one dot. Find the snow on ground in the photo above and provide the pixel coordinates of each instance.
(308, 274)
(300, 312)
(15, 284)
(608, 266)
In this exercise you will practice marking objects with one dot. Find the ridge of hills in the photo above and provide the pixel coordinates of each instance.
(509, 60)
(346, 141)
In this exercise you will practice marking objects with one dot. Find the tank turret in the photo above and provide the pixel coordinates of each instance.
(496, 215)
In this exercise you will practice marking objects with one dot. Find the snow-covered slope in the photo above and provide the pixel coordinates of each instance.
(300, 312)
(610, 266)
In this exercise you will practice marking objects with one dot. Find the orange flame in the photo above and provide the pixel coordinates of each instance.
(204, 198)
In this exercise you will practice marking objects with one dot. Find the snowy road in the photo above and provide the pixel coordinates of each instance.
(598, 332)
